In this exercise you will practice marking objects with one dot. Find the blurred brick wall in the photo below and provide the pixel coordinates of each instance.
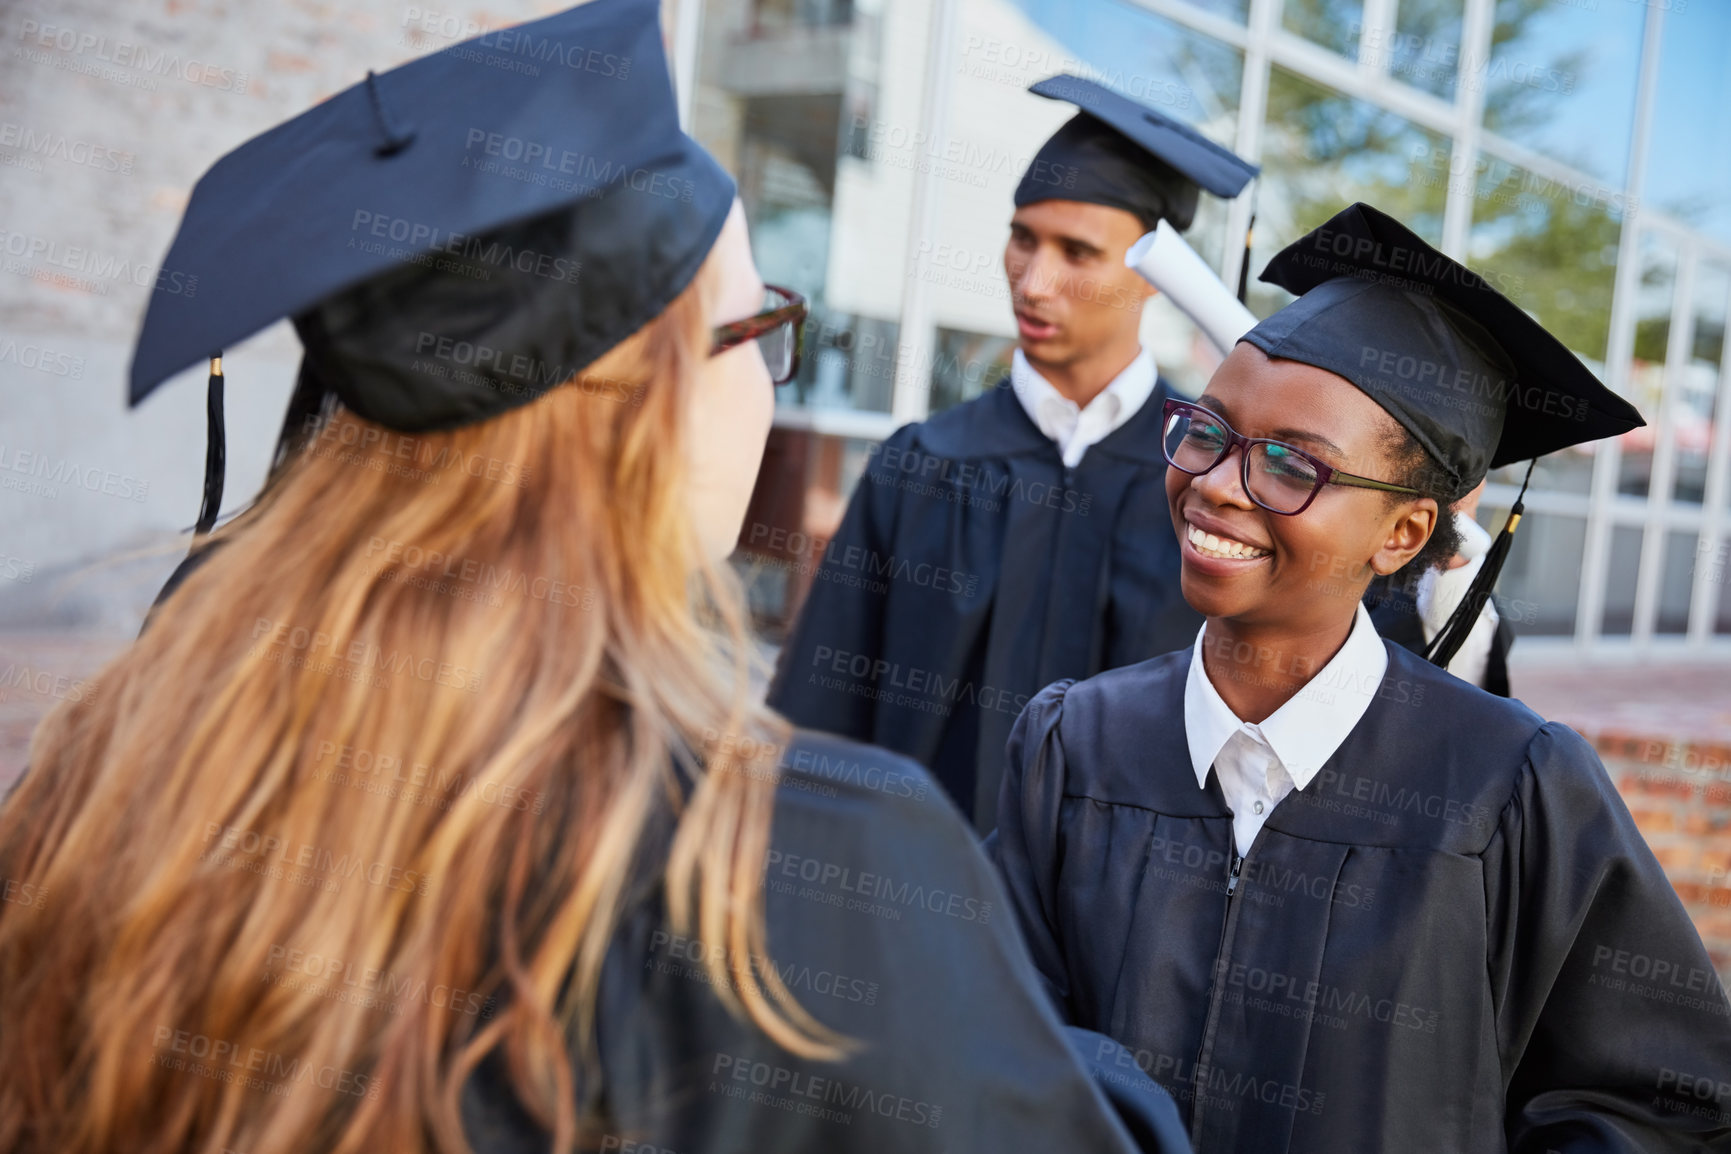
(1680, 795)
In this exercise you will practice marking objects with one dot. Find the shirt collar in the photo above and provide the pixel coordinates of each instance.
(1127, 392)
(1304, 732)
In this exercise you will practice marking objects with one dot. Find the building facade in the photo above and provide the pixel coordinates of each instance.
(1575, 152)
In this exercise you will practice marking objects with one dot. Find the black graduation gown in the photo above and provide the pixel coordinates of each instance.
(1394, 612)
(971, 569)
(887, 923)
(1453, 940)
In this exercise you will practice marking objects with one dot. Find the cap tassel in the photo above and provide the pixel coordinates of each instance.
(215, 451)
(396, 136)
(1459, 626)
(1244, 265)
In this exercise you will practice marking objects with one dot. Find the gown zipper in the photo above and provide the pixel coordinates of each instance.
(1221, 954)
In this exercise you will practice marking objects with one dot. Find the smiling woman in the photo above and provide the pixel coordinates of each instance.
(1343, 900)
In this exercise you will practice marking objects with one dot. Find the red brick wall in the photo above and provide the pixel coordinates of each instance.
(1680, 795)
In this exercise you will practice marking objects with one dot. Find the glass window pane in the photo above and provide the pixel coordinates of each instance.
(1321, 152)
(1561, 80)
(1647, 366)
(1426, 47)
(1622, 570)
(805, 101)
(1698, 384)
(995, 128)
(1554, 253)
(1689, 144)
(1231, 9)
(1675, 582)
(1718, 564)
(1540, 584)
(967, 364)
(1331, 23)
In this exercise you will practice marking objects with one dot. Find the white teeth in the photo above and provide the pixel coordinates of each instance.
(1211, 546)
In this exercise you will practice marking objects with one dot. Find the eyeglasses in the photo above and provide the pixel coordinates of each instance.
(777, 331)
(1279, 477)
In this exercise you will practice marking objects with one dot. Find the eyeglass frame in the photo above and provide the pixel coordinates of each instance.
(1326, 474)
(796, 310)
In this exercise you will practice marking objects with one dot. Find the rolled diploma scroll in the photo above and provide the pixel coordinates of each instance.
(1166, 261)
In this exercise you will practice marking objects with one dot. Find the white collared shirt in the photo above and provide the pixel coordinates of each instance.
(1439, 592)
(1073, 429)
(1259, 764)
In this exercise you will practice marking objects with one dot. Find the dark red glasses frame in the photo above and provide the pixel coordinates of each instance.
(1326, 474)
(793, 312)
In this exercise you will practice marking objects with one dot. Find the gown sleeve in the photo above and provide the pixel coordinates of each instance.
(891, 930)
(839, 616)
(1613, 1029)
(1025, 845)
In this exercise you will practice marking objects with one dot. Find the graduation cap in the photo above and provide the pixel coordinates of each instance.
(453, 237)
(1119, 152)
(1475, 380)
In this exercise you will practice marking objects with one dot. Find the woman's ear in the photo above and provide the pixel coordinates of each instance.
(1411, 529)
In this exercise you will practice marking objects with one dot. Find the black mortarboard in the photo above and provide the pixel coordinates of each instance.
(1475, 380)
(456, 236)
(1119, 152)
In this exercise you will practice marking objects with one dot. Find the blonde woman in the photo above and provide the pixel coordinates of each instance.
(432, 810)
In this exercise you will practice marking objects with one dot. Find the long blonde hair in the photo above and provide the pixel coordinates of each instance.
(362, 804)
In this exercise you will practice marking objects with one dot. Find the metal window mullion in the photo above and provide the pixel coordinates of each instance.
(1188, 16)
(1375, 26)
(1710, 580)
(1476, 27)
(1649, 574)
(1607, 462)
(687, 42)
(910, 396)
(1252, 114)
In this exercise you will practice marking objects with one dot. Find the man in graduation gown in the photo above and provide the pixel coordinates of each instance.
(1039, 502)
